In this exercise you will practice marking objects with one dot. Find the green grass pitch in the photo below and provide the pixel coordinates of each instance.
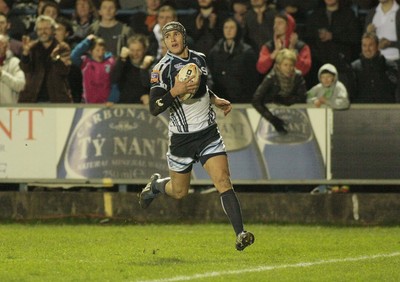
(54, 252)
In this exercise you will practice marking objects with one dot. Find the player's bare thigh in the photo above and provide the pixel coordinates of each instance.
(218, 169)
(178, 186)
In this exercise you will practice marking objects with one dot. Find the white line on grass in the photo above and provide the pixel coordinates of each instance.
(267, 268)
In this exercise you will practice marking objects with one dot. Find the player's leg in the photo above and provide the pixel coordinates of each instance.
(176, 185)
(217, 168)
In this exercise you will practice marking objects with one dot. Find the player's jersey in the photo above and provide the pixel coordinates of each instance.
(193, 114)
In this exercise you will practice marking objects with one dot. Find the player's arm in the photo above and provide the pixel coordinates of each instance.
(161, 99)
(220, 103)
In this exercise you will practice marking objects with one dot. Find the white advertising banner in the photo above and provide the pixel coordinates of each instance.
(123, 142)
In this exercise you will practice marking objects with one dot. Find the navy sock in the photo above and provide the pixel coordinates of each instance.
(231, 206)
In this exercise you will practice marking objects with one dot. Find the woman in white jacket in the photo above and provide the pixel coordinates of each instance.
(12, 78)
(330, 91)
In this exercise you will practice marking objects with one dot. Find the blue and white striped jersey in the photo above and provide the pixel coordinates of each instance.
(188, 116)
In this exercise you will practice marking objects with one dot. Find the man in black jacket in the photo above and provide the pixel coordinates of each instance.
(375, 78)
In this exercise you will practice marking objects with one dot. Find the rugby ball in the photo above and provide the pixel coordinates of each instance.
(189, 70)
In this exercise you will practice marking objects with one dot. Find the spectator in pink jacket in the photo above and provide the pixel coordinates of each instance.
(96, 65)
(284, 37)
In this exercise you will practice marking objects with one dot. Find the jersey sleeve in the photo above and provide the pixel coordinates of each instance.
(160, 81)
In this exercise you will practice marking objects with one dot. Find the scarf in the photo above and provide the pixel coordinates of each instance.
(229, 49)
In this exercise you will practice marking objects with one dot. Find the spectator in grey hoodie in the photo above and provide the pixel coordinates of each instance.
(330, 91)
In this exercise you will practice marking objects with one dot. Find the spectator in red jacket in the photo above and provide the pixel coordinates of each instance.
(284, 37)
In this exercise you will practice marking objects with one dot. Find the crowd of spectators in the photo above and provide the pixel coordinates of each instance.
(102, 51)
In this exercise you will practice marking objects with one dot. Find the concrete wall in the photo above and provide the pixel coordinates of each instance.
(303, 208)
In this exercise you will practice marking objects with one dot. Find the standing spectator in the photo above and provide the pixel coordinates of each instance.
(284, 85)
(375, 77)
(84, 15)
(12, 78)
(14, 45)
(384, 20)
(298, 9)
(330, 91)
(206, 26)
(284, 37)
(143, 21)
(131, 71)
(239, 9)
(333, 33)
(51, 9)
(96, 69)
(17, 27)
(232, 65)
(259, 22)
(114, 33)
(46, 65)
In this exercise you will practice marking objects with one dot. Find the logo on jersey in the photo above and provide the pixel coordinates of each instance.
(159, 103)
(155, 76)
(197, 61)
(178, 66)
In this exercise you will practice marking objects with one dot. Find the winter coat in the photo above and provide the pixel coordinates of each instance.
(133, 82)
(257, 34)
(233, 74)
(335, 95)
(269, 92)
(265, 62)
(12, 80)
(375, 80)
(56, 82)
(346, 35)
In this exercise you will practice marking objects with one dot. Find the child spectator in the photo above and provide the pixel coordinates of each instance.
(96, 69)
(330, 91)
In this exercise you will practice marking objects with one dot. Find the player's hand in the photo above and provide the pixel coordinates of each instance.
(145, 99)
(183, 87)
(223, 105)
